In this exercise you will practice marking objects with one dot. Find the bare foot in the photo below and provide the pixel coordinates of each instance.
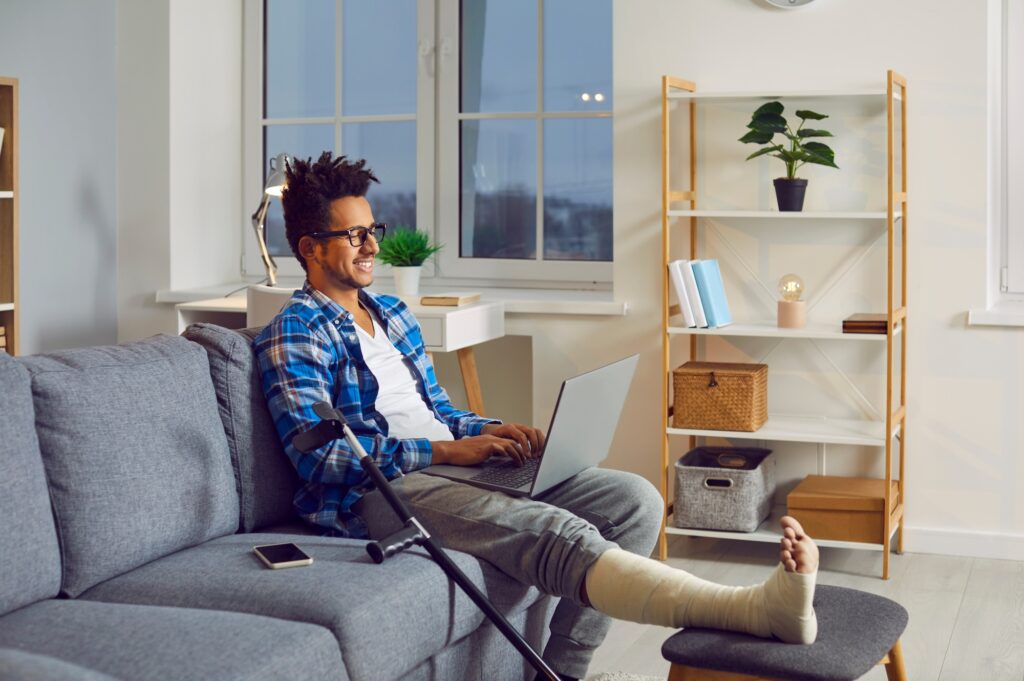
(798, 552)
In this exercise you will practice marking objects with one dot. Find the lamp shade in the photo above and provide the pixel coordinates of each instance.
(277, 179)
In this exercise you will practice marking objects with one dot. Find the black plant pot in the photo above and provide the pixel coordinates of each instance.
(790, 193)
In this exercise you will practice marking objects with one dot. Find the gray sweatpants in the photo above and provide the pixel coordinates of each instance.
(549, 543)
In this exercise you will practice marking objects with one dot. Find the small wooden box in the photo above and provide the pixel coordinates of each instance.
(720, 396)
(842, 509)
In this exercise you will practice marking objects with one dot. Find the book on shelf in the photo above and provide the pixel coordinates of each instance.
(451, 299)
(867, 322)
(675, 271)
(693, 295)
(712, 293)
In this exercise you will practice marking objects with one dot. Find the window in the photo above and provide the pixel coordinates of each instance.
(516, 179)
(344, 77)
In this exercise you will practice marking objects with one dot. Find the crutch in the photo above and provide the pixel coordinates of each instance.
(333, 426)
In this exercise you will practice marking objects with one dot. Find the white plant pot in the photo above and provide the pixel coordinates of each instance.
(407, 280)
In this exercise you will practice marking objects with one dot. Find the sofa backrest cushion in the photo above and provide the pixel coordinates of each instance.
(135, 454)
(29, 554)
(265, 477)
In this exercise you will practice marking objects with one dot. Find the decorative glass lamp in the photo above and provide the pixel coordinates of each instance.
(276, 181)
(792, 310)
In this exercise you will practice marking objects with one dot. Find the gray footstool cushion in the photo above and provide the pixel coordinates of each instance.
(855, 630)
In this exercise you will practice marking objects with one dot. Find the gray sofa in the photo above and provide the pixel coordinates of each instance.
(135, 480)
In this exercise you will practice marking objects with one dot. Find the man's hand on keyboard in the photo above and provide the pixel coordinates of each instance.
(529, 440)
(473, 450)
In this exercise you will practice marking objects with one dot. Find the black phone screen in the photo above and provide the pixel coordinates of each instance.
(282, 553)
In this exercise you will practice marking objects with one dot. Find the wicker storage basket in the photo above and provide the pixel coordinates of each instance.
(724, 488)
(720, 396)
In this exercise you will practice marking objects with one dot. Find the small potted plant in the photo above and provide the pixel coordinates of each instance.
(798, 150)
(406, 250)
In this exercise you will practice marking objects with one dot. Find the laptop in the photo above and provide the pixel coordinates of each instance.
(579, 437)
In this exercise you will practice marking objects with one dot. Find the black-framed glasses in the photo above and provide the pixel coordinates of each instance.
(356, 235)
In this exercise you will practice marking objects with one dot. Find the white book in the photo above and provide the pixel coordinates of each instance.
(693, 294)
(675, 271)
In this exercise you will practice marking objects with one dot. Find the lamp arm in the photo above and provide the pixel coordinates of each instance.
(259, 226)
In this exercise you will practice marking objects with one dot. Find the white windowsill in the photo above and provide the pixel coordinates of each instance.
(516, 300)
(1004, 313)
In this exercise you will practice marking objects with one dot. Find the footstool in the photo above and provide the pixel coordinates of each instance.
(856, 631)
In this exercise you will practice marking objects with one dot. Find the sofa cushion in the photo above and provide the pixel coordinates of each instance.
(265, 478)
(141, 642)
(135, 454)
(17, 664)
(29, 554)
(369, 607)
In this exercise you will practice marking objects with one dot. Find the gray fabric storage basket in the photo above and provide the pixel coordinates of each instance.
(712, 496)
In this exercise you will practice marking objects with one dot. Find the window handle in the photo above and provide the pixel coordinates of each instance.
(427, 54)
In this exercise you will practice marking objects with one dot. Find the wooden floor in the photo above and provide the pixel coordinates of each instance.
(966, 614)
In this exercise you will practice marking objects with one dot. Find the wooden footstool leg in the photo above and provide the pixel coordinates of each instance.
(681, 672)
(894, 668)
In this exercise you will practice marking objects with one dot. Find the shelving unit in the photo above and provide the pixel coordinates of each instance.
(9, 311)
(883, 433)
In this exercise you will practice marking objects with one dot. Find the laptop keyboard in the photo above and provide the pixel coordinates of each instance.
(509, 474)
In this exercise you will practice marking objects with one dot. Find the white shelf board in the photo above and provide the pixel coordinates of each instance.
(770, 330)
(7, 195)
(770, 532)
(6, 307)
(871, 93)
(785, 215)
(804, 429)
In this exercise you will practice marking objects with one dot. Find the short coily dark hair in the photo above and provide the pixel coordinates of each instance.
(312, 187)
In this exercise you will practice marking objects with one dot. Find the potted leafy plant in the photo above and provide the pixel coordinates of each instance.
(406, 249)
(797, 150)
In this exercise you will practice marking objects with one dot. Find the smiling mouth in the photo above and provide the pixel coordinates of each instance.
(363, 264)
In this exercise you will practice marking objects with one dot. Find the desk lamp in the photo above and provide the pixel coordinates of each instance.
(275, 184)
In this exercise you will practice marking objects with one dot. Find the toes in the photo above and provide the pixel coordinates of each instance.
(789, 522)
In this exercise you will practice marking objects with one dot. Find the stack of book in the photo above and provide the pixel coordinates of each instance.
(3, 339)
(701, 294)
(451, 299)
(866, 322)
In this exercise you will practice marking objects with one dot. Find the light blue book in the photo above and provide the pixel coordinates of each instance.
(712, 292)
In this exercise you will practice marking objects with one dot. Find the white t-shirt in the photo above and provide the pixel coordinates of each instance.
(398, 399)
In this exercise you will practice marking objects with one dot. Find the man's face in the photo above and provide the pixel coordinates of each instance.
(338, 261)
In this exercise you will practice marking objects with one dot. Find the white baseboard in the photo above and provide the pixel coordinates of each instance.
(1002, 546)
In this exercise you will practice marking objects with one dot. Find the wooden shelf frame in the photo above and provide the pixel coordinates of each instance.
(877, 433)
(10, 313)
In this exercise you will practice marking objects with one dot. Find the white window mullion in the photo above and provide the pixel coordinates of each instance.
(426, 87)
(539, 257)
(339, 36)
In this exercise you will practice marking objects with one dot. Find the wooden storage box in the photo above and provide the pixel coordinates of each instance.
(842, 509)
(720, 396)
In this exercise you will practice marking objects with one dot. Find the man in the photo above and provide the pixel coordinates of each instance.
(585, 541)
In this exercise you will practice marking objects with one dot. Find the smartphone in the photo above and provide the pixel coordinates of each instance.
(276, 556)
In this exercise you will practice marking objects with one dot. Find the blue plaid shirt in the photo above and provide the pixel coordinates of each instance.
(310, 353)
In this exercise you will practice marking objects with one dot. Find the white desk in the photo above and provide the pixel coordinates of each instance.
(445, 329)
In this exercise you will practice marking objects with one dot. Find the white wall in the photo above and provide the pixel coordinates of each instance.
(965, 435)
(179, 75)
(62, 52)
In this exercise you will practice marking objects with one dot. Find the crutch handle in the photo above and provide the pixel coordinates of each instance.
(410, 535)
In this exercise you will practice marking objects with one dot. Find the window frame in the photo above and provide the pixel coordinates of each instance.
(449, 165)
(253, 170)
(437, 157)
